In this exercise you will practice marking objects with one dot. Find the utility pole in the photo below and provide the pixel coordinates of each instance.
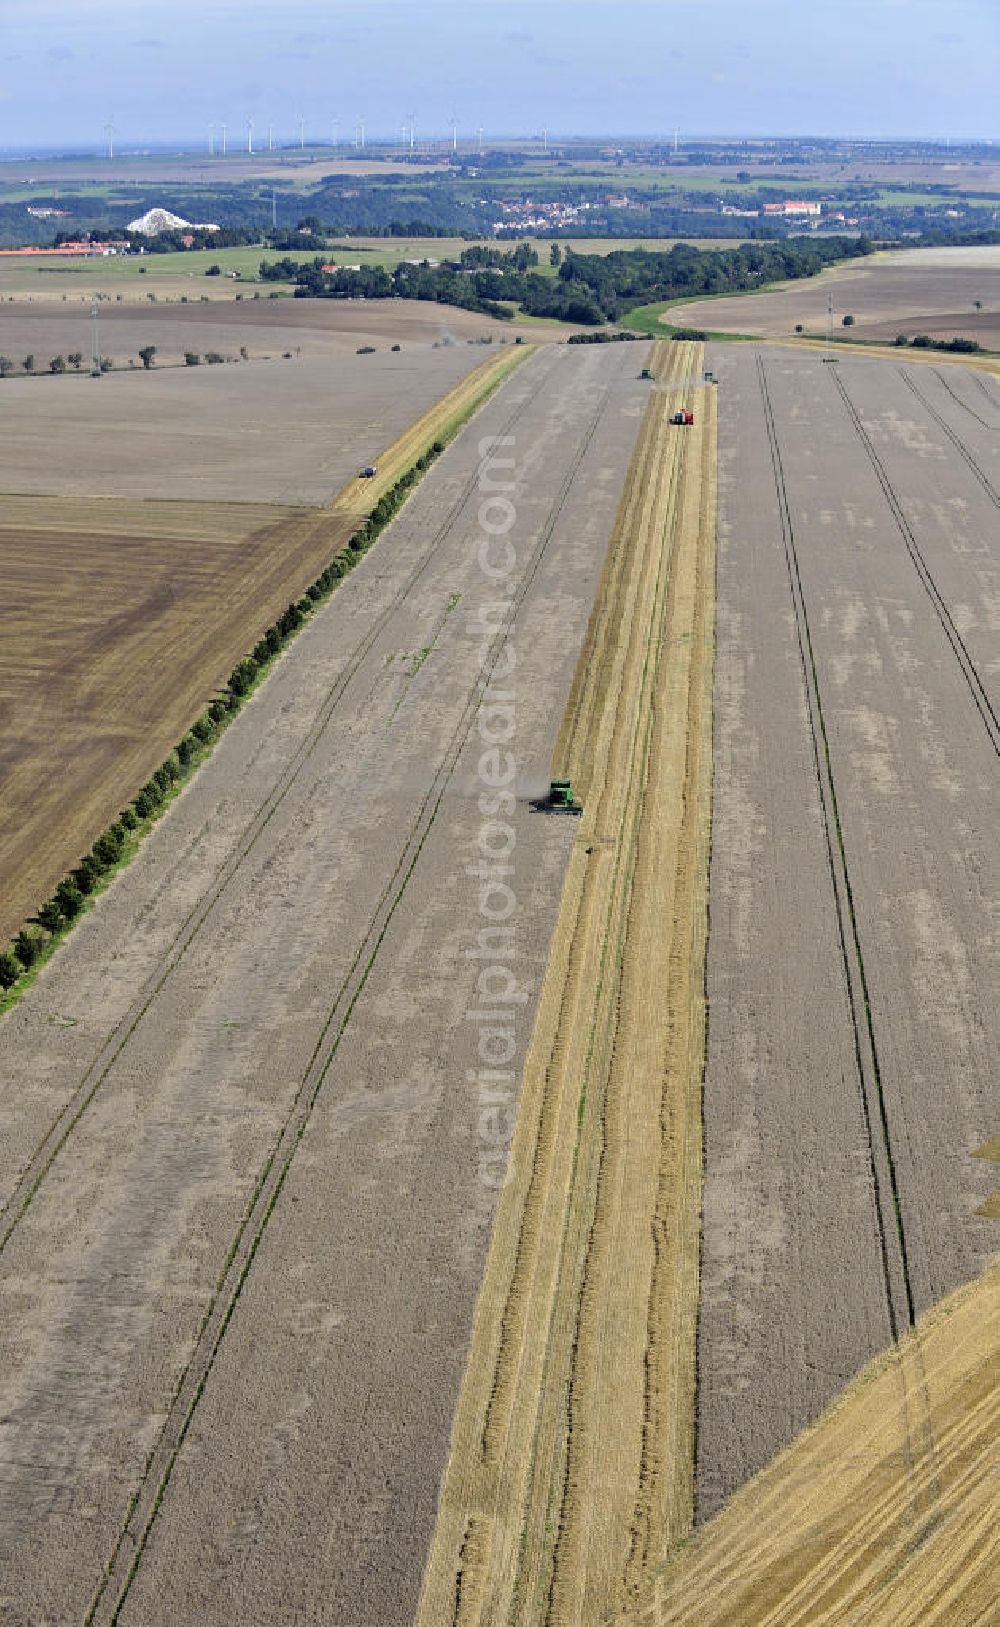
(274, 207)
(95, 349)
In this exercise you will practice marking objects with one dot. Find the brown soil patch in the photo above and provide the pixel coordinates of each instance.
(572, 1452)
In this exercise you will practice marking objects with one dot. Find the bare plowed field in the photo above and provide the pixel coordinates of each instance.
(853, 949)
(120, 619)
(879, 294)
(251, 1148)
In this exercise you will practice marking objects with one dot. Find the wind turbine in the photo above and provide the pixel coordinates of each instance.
(545, 140)
(480, 141)
(454, 134)
(361, 135)
(336, 132)
(302, 133)
(224, 128)
(109, 131)
(250, 138)
(270, 138)
(211, 140)
(413, 129)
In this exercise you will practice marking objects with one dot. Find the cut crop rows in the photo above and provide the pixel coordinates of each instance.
(572, 1451)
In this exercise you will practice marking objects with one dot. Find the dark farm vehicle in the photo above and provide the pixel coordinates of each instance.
(684, 416)
(559, 800)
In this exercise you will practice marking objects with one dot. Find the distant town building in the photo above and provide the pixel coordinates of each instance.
(793, 207)
(79, 250)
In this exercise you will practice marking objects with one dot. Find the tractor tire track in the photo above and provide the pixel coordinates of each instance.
(976, 379)
(967, 666)
(888, 1217)
(900, 1303)
(955, 440)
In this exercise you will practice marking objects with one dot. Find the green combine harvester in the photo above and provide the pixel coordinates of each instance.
(561, 798)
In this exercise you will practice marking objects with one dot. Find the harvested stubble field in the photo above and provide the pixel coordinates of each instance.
(852, 960)
(248, 1160)
(884, 1512)
(287, 432)
(120, 619)
(571, 1467)
(886, 295)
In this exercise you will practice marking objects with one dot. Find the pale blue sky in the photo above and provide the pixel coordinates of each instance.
(163, 68)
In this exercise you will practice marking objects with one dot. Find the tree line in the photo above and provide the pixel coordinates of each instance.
(587, 290)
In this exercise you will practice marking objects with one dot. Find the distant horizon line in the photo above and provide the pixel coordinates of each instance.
(389, 145)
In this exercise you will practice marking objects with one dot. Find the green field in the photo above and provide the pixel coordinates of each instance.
(52, 276)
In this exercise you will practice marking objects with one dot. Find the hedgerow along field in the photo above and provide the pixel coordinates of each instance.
(193, 588)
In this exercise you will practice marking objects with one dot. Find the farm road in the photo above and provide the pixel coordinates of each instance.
(312, 876)
(816, 1125)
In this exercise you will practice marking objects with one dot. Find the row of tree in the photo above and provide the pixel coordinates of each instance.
(54, 918)
(73, 359)
(147, 355)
